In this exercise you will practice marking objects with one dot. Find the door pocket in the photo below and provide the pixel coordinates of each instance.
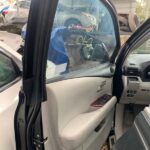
(97, 129)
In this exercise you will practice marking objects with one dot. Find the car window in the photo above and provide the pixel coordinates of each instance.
(7, 70)
(83, 37)
(143, 48)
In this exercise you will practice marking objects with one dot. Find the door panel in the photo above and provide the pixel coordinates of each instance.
(72, 118)
(96, 140)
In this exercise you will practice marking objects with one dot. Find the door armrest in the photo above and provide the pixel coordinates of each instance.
(78, 129)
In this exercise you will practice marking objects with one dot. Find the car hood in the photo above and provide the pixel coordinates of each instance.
(12, 40)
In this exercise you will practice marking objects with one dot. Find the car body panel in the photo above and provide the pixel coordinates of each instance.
(8, 102)
(8, 105)
(12, 40)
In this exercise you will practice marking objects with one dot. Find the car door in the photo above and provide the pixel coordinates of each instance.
(122, 75)
(66, 100)
(132, 74)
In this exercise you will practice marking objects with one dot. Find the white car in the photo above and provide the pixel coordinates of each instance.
(11, 71)
(66, 16)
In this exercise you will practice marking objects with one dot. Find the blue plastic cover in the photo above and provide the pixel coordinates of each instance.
(4, 9)
(57, 52)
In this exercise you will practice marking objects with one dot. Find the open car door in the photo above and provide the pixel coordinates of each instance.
(133, 63)
(66, 100)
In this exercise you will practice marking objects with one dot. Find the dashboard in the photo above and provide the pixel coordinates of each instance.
(136, 79)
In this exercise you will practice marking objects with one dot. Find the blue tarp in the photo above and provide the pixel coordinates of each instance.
(57, 52)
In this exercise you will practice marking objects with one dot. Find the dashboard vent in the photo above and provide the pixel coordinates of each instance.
(132, 72)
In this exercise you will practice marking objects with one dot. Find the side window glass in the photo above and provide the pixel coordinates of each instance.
(83, 37)
(7, 70)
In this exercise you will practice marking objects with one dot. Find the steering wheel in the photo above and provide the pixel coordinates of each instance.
(99, 52)
(92, 48)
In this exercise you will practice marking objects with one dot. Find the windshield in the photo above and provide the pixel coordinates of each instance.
(143, 49)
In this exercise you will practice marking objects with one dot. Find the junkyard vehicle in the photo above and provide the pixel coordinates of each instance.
(93, 94)
(66, 16)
